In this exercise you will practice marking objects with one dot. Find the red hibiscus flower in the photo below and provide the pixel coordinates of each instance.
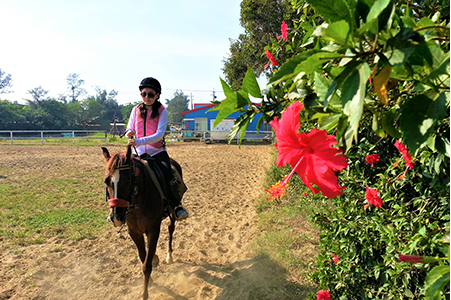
(284, 29)
(372, 159)
(271, 58)
(311, 155)
(372, 197)
(334, 258)
(410, 258)
(407, 156)
(323, 295)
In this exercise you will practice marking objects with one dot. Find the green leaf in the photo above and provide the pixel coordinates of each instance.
(338, 32)
(260, 122)
(352, 97)
(377, 8)
(335, 85)
(440, 68)
(250, 84)
(436, 280)
(401, 46)
(336, 10)
(321, 87)
(240, 126)
(232, 103)
(377, 18)
(388, 123)
(226, 88)
(419, 116)
(329, 122)
(314, 61)
(287, 70)
(370, 25)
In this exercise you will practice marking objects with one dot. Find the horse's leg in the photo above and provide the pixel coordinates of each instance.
(138, 238)
(152, 240)
(171, 228)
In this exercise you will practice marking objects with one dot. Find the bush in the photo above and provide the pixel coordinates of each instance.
(412, 220)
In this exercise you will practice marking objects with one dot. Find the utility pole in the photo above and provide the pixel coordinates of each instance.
(214, 96)
(192, 105)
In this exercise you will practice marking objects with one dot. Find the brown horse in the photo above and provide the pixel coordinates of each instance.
(136, 199)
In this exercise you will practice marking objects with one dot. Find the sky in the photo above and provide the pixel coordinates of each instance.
(115, 44)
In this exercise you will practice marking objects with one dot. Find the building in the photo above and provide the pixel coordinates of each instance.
(198, 122)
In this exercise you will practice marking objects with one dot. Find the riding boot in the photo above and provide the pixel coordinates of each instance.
(176, 201)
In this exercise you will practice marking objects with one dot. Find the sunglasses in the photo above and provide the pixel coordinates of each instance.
(148, 95)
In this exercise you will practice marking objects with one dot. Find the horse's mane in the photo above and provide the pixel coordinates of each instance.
(115, 162)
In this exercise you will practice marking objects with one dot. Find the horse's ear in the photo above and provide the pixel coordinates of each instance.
(106, 154)
(129, 151)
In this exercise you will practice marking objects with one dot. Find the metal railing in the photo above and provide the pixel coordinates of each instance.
(48, 134)
(181, 135)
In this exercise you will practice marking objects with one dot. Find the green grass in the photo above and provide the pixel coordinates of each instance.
(287, 235)
(36, 208)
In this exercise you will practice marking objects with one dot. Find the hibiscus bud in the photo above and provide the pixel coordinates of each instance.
(417, 259)
(410, 258)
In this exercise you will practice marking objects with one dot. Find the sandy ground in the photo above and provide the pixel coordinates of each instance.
(212, 254)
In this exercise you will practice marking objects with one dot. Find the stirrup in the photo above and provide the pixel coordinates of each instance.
(180, 213)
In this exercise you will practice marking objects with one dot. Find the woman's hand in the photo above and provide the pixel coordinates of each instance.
(131, 142)
(130, 134)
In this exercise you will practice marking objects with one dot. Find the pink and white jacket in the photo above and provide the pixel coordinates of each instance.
(149, 133)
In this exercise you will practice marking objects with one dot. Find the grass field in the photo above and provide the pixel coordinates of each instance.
(287, 236)
(36, 208)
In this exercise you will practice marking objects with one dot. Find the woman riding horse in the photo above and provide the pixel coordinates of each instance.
(146, 129)
(138, 196)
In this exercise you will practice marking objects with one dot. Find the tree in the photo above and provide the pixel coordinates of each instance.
(107, 109)
(74, 84)
(37, 95)
(127, 109)
(179, 103)
(11, 116)
(261, 21)
(5, 82)
(243, 55)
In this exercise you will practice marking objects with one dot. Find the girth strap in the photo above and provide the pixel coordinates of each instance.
(153, 176)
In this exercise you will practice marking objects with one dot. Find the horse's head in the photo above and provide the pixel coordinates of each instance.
(120, 173)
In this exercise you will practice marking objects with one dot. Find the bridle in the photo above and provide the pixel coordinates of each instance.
(128, 202)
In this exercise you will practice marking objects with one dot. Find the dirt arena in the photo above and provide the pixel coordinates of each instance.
(212, 248)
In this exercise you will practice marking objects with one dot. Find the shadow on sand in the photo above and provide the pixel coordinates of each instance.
(259, 278)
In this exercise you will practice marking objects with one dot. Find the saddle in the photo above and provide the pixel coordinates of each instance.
(153, 169)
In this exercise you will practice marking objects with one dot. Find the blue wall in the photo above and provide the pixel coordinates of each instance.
(201, 111)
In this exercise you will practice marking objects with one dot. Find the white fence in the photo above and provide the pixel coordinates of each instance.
(49, 134)
(182, 135)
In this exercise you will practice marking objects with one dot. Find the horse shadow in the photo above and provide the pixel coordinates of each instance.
(259, 278)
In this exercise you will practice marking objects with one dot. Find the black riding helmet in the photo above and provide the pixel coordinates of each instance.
(150, 82)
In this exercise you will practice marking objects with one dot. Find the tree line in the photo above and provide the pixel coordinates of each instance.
(74, 109)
